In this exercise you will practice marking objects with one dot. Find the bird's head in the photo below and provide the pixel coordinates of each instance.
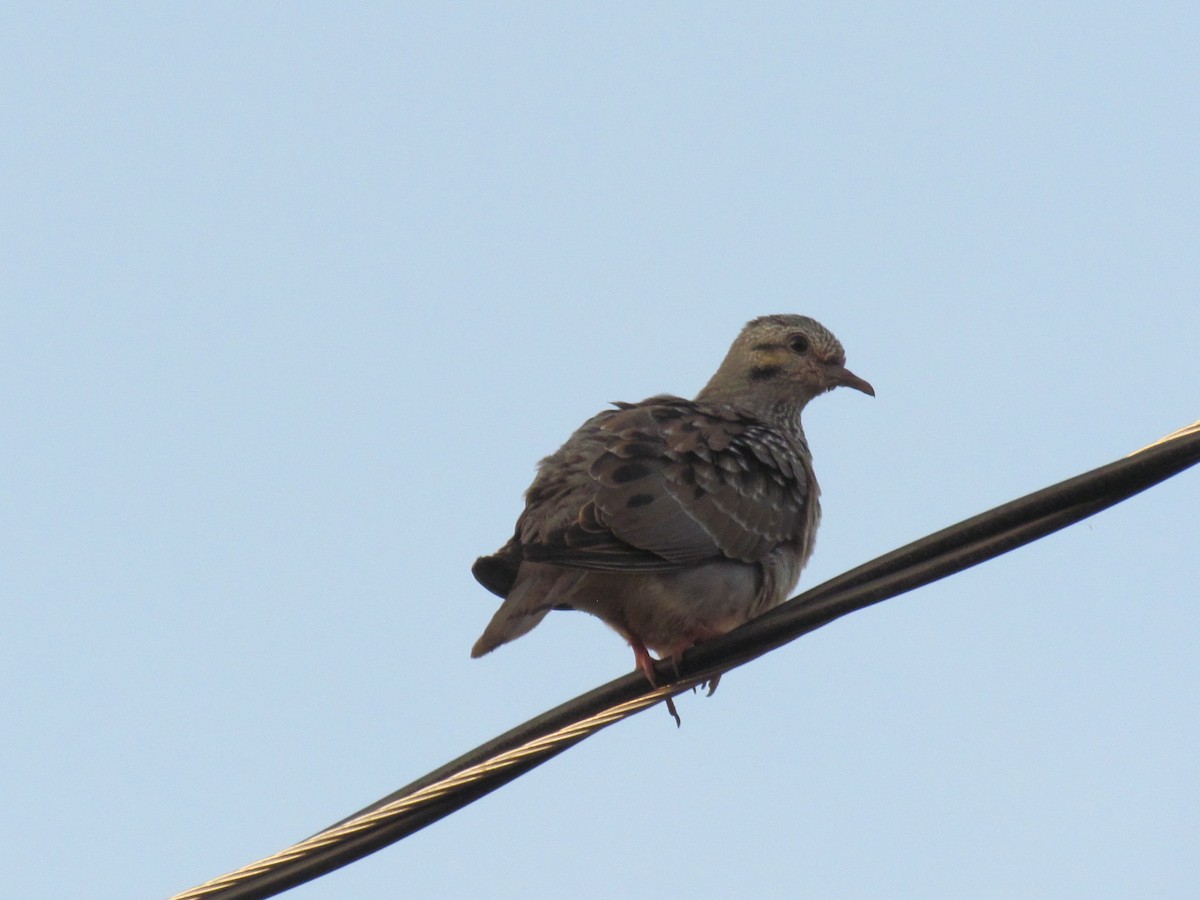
(780, 362)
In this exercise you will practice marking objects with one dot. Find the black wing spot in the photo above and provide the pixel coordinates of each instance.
(665, 413)
(628, 472)
(637, 448)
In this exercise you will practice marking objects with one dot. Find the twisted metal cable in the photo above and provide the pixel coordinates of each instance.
(385, 813)
(504, 758)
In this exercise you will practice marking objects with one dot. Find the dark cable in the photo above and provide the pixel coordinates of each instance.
(515, 752)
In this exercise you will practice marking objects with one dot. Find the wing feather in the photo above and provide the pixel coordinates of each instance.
(662, 485)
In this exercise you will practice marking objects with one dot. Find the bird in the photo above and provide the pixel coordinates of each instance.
(674, 521)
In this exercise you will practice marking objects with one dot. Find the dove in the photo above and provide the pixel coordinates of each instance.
(674, 521)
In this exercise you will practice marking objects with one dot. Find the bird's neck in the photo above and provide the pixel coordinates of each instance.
(779, 409)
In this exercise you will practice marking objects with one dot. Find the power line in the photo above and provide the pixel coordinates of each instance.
(500, 760)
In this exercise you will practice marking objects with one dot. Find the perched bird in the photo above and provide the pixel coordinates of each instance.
(674, 520)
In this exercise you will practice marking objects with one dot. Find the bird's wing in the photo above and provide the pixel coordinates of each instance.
(666, 484)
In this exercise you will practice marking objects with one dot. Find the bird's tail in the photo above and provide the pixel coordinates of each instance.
(526, 605)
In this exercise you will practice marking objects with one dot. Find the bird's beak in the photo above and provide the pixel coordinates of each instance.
(840, 375)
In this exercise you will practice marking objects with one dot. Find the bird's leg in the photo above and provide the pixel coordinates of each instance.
(676, 658)
(645, 662)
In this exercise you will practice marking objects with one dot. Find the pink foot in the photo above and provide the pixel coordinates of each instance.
(645, 662)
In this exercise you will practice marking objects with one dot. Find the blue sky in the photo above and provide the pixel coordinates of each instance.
(294, 297)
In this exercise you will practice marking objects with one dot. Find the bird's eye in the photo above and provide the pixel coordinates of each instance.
(799, 343)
